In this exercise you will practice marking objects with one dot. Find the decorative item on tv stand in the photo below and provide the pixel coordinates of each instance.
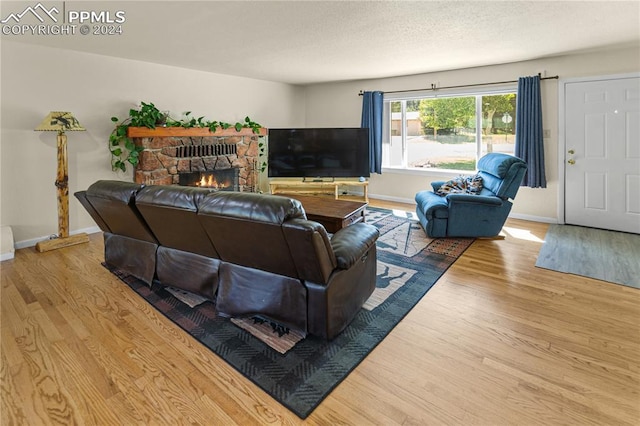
(61, 122)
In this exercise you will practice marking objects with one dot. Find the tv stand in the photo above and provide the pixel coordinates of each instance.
(283, 186)
(316, 180)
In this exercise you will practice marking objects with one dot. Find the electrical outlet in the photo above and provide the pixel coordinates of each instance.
(546, 133)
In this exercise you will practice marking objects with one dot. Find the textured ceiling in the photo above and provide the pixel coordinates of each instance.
(303, 42)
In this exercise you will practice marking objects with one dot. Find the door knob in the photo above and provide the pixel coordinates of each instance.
(571, 151)
(571, 161)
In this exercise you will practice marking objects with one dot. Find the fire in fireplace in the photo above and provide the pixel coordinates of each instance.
(221, 180)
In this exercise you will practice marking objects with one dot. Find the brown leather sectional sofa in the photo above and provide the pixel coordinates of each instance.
(254, 254)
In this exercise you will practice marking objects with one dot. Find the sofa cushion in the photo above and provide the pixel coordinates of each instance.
(171, 213)
(246, 229)
(114, 202)
(174, 196)
(251, 206)
(114, 190)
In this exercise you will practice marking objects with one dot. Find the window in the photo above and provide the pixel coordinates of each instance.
(449, 132)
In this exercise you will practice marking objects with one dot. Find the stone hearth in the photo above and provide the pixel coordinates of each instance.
(165, 157)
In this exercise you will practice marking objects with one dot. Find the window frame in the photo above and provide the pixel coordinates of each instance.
(438, 93)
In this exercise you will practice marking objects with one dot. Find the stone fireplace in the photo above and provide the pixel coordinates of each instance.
(197, 157)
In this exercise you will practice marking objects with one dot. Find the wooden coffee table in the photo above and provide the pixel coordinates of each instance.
(332, 214)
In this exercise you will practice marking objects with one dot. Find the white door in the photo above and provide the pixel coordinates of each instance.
(602, 158)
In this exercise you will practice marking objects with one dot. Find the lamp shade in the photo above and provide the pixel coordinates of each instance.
(59, 121)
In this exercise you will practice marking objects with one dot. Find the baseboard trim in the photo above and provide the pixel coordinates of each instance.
(531, 218)
(34, 241)
(7, 256)
(393, 199)
(7, 245)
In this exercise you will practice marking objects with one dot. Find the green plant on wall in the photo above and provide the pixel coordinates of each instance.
(122, 148)
(124, 151)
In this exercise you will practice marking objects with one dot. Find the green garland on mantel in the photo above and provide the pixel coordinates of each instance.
(124, 151)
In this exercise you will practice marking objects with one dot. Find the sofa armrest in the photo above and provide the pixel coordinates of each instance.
(473, 199)
(351, 243)
(436, 185)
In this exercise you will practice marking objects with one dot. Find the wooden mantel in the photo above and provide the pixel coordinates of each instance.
(160, 132)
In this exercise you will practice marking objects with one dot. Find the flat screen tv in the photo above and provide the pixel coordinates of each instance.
(318, 153)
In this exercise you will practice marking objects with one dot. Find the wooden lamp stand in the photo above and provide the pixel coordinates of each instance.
(63, 239)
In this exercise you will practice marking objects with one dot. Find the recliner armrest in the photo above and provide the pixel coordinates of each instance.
(475, 199)
(351, 243)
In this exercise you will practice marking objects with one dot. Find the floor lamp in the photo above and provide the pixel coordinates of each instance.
(61, 122)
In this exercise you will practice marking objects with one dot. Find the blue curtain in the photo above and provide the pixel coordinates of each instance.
(372, 120)
(529, 137)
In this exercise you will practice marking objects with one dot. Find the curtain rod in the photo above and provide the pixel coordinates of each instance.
(433, 86)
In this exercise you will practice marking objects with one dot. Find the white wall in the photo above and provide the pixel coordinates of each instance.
(338, 104)
(36, 80)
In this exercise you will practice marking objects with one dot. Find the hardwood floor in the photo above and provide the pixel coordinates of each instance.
(495, 342)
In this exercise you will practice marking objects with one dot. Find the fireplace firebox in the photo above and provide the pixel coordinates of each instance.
(220, 179)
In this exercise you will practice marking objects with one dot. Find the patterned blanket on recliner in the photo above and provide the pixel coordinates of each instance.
(461, 185)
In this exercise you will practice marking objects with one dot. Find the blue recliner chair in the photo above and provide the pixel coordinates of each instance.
(466, 215)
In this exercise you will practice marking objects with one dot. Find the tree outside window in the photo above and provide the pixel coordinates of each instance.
(449, 132)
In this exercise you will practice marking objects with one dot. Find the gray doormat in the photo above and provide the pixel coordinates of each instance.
(595, 253)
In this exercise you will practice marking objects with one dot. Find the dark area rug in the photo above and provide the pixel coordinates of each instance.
(409, 264)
